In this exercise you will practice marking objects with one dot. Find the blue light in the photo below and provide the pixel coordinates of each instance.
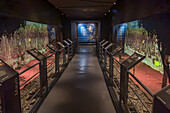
(114, 11)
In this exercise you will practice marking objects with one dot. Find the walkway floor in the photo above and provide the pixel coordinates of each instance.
(81, 88)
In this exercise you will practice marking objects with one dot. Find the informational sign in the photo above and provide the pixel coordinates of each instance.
(52, 47)
(69, 40)
(66, 42)
(133, 60)
(105, 43)
(116, 50)
(59, 43)
(110, 45)
(36, 54)
(102, 41)
(86, 32)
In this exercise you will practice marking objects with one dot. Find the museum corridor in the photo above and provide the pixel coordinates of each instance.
(84, 56)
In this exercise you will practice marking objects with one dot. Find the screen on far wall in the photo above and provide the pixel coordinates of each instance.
(86, 33)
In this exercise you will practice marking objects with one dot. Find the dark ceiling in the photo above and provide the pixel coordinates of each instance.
(125, 10)
(83, 9)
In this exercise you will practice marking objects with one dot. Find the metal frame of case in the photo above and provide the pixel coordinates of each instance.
(112, 67)
(18, 101)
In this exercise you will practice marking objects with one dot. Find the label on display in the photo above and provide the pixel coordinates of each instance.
(35, 53)
(102, 41)
(116, 50)
(105, 43)
(1, 63)
(109, 46)
(70, 40)
(2, 73)
(60, 44)
(16, 86)
(66, 42)
(51, 46)
(168, 91)
(133, 60)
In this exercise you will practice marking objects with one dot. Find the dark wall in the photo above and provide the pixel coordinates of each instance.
(9, 25)
(34, 10)
(129, 10)
(66, 22)
(106, 27)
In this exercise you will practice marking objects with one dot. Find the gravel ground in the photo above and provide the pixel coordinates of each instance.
(140, 108)
(27, 95)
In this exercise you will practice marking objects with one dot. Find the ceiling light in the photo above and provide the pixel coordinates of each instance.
(114, 3)
(105, 14)
(109, 11)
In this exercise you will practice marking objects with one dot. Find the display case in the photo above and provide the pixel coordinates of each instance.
(43, 66)
(133, 60)
(9, 89)
(161, 103)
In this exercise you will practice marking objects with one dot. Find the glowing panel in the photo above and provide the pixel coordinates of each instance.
(86, 32)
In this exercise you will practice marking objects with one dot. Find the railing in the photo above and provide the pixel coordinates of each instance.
(31, 89)
(138, 98)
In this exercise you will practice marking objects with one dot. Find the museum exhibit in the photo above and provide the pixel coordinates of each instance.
(85, 56)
